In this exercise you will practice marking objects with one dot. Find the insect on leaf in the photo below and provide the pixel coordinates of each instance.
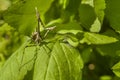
(52, 62)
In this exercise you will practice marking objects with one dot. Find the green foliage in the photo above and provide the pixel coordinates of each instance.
(112, 14)
(89, 19)
(92, 38)
(116, 69)
(9, 39)
(85, 44)
(24, 18)
(51, 62)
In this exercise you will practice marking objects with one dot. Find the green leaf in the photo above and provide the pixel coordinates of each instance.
(46, 62)
(95, 15)
(110, 49)
(22, 15)
(64, 63)
(93, 38)
(106, 77)
(73, 6)
(116, 69)
(73, 43)
(112, 12)
(70, 11)
(86, 54)
(72, 40)
(71, 27)
(96, 26)
(11, 69)
(87, 15)
(99, 6)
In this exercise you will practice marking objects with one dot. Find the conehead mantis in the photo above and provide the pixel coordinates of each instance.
(36, 37)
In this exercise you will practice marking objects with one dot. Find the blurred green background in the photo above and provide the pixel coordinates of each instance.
(98, 59)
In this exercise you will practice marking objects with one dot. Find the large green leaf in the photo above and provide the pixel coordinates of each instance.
(113, 13)
(64, 63)
(22, 15)
(93, 38)
(52, 61)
